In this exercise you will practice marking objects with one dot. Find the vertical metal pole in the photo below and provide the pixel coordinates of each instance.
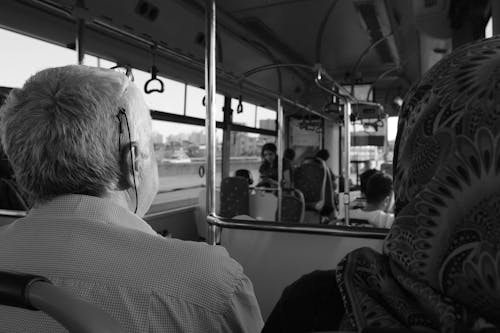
(347, 159)
(185, 99)
(210, 120)
(226, 138)
(279, 142)
(79, 42)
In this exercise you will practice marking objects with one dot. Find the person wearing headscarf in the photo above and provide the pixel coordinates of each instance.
(440, 266)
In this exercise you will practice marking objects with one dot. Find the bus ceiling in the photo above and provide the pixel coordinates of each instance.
(385, 44)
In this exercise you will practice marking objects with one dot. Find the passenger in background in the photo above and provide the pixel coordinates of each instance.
(244, 173)
(329, 211)
(79, 140)
(269, 168)
(289, 155)
(363, 179)
(378, 195)
(324, 155)
(288, 158)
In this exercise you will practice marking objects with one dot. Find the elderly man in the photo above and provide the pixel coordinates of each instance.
(79, 142)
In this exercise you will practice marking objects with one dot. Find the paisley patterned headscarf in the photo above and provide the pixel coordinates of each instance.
(440, 270)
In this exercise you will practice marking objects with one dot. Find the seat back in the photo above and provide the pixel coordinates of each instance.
(245, 173)
(10, 195)
(310, 178)
(263, 204)
(33, 292)
(234, 196)
(292, 206)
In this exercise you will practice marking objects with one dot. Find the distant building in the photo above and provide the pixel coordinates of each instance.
(243, 145)
(197, 138)
(269, 124)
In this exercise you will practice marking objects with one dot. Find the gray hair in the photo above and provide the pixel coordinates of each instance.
(60, 131)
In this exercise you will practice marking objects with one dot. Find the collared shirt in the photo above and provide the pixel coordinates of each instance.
(108, 256)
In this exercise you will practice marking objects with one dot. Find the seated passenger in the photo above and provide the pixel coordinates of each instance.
(269, 168)
(378, 195)
(288, 158)
(79, 140)
(324, 155)
(245, 174)
(439, 271)
(360, 202)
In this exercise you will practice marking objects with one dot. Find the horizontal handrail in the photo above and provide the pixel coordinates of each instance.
(15, 213)
(170, 211)
(330, 230)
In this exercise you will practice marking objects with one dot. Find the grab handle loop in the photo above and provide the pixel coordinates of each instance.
(154, 73)
(239, 108)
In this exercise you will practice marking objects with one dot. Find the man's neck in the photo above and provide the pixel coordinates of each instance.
(120, 198)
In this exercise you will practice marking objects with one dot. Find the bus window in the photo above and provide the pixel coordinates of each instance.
(195, 107)
(171, 100)
(245, 152)
(488, 31)
(247, 117)
(103, 63)
(180, 152)
(266, 118)
(20, 60)
(90, 60)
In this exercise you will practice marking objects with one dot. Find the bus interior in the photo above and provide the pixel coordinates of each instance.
(302, 74)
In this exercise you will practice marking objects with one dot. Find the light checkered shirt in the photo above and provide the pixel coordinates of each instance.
(103, 253)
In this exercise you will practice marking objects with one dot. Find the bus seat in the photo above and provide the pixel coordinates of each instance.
(245, 173)
(273, 259)
(10, 195)
(34, 293)
(292, 206)
(234, 198)
(201, 212)
(263, 205)
(310, 178)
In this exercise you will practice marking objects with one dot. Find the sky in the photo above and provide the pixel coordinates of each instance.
(23, 56)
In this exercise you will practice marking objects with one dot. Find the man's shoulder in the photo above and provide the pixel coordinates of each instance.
(131, 258)
(192, 271)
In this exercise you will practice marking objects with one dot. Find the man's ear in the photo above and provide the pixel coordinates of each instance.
(129, 165)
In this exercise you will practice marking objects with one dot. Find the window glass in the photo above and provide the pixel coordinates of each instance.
(245, 152)
(90, 60)
(103, 63)
(180, 152)
(247, 117)
(195, 107)
(488, 31)
(373, 153)
(171, 100)
(266, 118)
(25, 56)
(361, 92)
